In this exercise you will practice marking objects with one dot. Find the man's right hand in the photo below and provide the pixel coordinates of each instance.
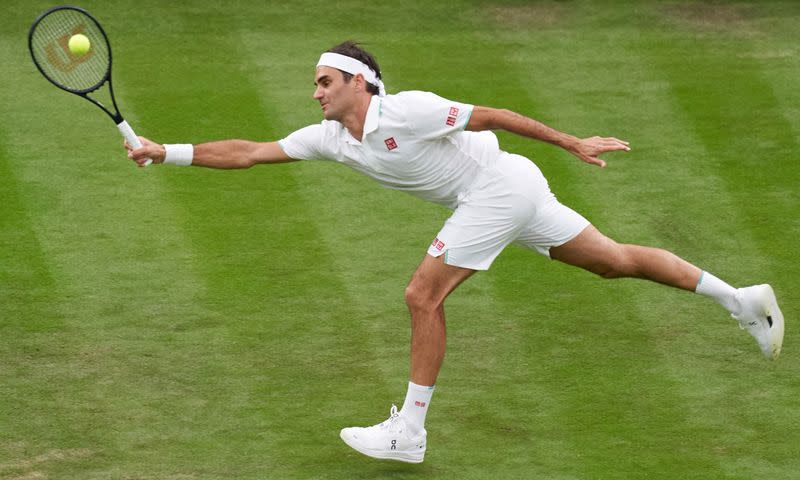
(152, 150)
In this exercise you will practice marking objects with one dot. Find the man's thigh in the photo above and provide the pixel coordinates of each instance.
(590, 250)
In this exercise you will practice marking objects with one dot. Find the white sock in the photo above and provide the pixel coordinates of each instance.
(713, 287)
(415, 407)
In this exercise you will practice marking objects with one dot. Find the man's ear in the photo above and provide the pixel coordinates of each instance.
(361, 84)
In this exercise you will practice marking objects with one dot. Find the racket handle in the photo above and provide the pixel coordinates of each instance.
(131, 137)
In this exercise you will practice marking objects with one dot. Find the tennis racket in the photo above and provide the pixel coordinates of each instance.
(48, 41)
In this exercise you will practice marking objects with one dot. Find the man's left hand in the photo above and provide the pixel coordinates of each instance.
(589, 149)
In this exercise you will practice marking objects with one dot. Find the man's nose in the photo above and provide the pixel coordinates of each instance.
(318, 93)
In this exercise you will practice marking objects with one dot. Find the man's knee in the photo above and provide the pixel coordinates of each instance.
(620, 263)
(593, 251)
(419, 296)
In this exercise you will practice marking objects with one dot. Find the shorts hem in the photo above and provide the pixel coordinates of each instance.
(448, 260)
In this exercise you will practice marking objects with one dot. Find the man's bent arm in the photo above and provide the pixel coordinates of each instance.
(587, 149)
(225, 154)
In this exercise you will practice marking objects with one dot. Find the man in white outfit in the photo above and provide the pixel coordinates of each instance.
(444, 152)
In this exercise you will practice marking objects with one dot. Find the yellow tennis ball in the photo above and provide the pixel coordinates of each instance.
(79, 44)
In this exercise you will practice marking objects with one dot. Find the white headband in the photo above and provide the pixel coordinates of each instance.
(353, 67)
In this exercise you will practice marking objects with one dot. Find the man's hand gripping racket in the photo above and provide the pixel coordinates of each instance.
(147, 151)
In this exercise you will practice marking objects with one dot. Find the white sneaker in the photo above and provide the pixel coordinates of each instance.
(761, 316)
(390, 440)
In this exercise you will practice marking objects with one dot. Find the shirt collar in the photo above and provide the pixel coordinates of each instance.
(370, 121)
(373, 114)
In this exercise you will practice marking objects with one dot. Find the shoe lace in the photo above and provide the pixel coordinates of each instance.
(394, 422)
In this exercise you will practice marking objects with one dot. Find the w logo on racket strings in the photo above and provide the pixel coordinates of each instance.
(66, 61)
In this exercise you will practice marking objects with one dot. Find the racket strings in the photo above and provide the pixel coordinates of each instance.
(49, 43)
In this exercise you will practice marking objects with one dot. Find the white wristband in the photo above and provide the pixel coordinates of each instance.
(178, 154)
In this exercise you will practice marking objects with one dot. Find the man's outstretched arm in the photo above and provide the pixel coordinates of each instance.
(222, 154)
(587, 149)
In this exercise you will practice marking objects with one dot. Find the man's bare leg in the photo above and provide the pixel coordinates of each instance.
(403, 437)
(431, 283)
(755, 307)
(593, 251)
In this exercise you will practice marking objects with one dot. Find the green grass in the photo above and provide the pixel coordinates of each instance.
(168, 323)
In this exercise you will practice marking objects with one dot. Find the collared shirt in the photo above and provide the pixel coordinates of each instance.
(412, 141)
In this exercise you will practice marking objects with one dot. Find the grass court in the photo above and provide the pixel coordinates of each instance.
(190, 324)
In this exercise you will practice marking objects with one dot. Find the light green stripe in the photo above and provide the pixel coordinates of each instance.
(468, 117)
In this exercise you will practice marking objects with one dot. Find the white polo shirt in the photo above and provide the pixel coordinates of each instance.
(413, 141)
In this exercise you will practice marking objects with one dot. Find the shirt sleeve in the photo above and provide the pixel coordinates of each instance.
(432, 116)
(304, 144)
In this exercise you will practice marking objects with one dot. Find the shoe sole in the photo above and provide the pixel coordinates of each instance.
(771, 309)
(406, 457)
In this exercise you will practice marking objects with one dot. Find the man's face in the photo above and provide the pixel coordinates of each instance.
(334, 95)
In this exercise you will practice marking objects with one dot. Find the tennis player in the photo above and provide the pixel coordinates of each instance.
(445, 152)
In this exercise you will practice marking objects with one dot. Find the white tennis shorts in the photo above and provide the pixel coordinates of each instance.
(509, 202)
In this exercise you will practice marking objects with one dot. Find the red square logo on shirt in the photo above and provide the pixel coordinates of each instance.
(453, 111)
(437, 244)
(390, 143)
(451, 121)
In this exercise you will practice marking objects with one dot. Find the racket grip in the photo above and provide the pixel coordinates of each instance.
(131, 137)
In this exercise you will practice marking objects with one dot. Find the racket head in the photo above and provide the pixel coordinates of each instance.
(48, 43)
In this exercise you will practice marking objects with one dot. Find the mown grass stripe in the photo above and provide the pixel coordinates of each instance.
(45, 412)
(661, 225)
(587, 344)
(109, 276)
(24, 271)
(728, 102)
(273, 291)
(731, 86)
(636, 298)
(33, 334)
